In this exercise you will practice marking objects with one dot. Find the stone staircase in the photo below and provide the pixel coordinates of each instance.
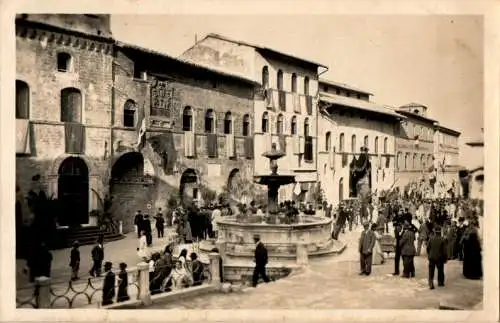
(84, 235)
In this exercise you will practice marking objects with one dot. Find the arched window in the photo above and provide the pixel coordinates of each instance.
(294, 82)
(375, 148)
(265, 122)
(306, 85)
(280, 80)
(210, 121)
(22, 100)
(246, 125)
(228, 123)
(64, 62)
(341, 143)
(406, 160)
(398, 160)
(353, 144)
(385, 145)
(279, 124)
(341, 189)
(187, 119)
(306, 127)
(328, 141)
(422, 161)
(415, 130)
(365, 142)
(415, 161)
(293, 126)
(129, 113)
(265, 77)
(429, 160)
(71, 105)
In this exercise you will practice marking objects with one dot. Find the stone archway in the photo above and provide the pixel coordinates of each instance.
(73, 192)
(189, 186)
(129, 188)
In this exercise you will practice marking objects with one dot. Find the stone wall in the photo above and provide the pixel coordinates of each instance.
(90, 73)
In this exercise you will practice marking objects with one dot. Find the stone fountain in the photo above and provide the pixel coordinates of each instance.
(312, 234)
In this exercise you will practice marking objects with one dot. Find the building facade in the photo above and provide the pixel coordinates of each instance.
(415, 147)
(63, 109)
(473, 179)
(348, 121)
(285, 107)
(447, 154)
(81, 100)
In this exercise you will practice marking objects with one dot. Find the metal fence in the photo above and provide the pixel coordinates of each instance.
(118, 286)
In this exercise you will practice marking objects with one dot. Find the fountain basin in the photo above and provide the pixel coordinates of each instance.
(272, 180)
(281, 240)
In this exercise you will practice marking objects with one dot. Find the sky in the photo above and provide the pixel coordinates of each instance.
(433, 60)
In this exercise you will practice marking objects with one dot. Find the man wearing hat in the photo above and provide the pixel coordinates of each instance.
(74, 261)
(366, 245)
(260, 261)
(437, 256)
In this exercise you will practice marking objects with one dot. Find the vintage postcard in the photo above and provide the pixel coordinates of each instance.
(302, 160)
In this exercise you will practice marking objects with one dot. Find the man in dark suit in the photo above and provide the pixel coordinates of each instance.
(408, 251)
(366, 245)
(398, 230)
(97, 258)
(260, 262)
(437, 255)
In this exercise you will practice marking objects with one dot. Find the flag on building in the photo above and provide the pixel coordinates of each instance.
(141, 128)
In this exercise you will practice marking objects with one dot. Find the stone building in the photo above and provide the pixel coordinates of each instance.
(63, 108)
(285, 108)
(198, 129)
(348, 121)
(415, 150)
(81, 98)
(427, 153)
(473, 178)
(447, 153)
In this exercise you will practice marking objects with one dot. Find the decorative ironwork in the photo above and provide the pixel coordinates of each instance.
(81, 294)
(31, 301)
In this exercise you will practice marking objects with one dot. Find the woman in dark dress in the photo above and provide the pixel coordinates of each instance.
(472, 263)
(122, 284)
(108, 288)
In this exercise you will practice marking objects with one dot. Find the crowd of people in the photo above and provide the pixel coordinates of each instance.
(448, 229)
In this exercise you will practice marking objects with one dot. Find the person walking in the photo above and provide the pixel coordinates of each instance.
(97, 259)
(366, 245)
(160, 224)
(146, 227)
(260, 262)
(408, 251)
(138, 222)
(437, 256)
(74, 261)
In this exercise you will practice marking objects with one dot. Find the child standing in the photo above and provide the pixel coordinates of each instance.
(74, 261)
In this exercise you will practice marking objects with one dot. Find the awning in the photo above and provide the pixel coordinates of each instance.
(358, 104)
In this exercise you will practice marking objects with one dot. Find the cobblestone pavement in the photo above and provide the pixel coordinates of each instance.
(334, 283)
(123, 250)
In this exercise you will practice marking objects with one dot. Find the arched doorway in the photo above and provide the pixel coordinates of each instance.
(129, 189)
(73, 192)
(189, 186)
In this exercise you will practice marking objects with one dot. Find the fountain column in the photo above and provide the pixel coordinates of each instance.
(272, 197)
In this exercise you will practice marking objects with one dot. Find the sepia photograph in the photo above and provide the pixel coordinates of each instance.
(264, 162)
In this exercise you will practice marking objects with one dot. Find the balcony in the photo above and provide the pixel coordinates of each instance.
(282, 100)
(309, 104)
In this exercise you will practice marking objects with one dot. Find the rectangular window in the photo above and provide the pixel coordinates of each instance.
(308, 149)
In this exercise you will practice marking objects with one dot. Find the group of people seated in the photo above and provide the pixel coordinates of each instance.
(167, 273)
